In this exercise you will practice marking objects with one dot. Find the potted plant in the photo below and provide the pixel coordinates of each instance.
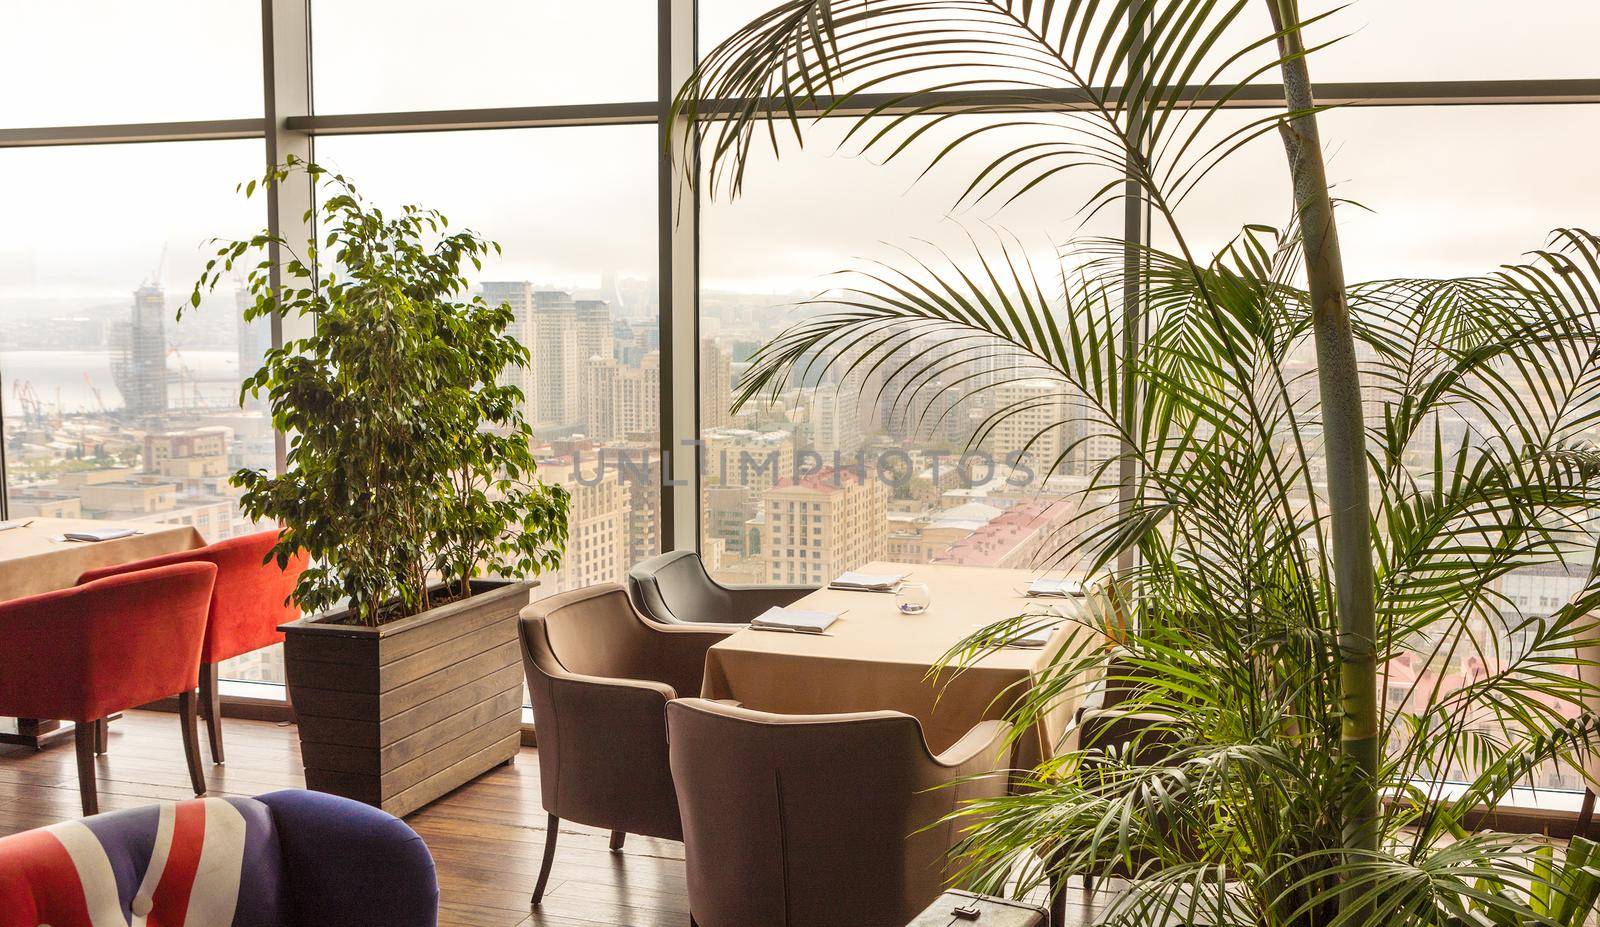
(1326, 485)
(410, 482)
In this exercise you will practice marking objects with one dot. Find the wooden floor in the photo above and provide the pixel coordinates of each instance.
(486, 837)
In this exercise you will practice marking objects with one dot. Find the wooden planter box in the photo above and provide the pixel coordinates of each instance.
(398, 715)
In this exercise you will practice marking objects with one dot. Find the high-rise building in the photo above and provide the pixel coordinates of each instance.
(518, 294)
(835, 424)
(716, 386)
(726, 513)
(565, 334)
(591, 320)
(139, 354)
(639, 396)
(821, 525)
(255, 336)
(598, 522)
(620, 399)
(1042, 417)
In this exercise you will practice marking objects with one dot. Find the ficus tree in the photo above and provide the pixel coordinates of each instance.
(1303, 542)
(409, 467)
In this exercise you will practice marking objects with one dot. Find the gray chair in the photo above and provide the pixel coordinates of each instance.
(674, 588)
(821, 820)
(601, 676)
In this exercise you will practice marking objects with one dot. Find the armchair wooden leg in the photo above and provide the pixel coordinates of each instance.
(617, 837)
(84, 739)
(1058, 899)
(1585, 814)
(188, 718)
(552, 827)
(211, 709)
(102, 736)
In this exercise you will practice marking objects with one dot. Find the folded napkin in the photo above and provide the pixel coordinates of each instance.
(100, 534)
(1055, 588)
(867, 582)
(14, 523)
(1036, 638)
(794, 619)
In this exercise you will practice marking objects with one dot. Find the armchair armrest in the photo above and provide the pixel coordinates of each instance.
(350, 864)
(680, 652)
(980, 750)
(620, 690)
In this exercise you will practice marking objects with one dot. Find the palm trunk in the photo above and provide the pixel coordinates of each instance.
(1344, 436)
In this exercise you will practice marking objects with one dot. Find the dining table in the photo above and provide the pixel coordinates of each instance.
(36, 556)
(873, 657)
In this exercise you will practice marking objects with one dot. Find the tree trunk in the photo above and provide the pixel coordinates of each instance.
(1344, 435)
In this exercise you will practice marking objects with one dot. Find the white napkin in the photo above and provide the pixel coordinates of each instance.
(1054, 588)
(100, 534)
(794, 619)
(1036, 638)
(867, 582)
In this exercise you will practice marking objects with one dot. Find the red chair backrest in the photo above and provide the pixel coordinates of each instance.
(251, 598)
(83, 653)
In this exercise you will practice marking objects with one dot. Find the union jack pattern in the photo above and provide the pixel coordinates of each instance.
(172, 865)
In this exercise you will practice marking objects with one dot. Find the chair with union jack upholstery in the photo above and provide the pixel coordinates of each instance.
(285, 859)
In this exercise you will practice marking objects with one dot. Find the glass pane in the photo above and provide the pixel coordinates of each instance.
(717, 19)
(1436, 192)
(114, 410)
(91, 62)
(1460, 40)
(575, 210)
(1379, 40)
(1426, 40)
(376, 56)
(833, 474)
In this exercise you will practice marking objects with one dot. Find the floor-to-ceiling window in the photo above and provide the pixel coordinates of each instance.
(536, 124)
(1435, 187)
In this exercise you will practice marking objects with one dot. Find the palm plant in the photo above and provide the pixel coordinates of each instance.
(1297, 546)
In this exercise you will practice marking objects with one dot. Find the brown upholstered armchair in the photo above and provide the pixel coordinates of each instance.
(821, 820)
(601, 675)
(675, 587)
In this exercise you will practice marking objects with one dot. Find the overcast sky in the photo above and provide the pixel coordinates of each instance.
(1450, 190)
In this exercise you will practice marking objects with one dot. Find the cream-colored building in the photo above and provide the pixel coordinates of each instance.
(1047, 418)
(561, 333)
(743, 457)
(836, 426)
(620, 399)
(824, 524)
(598, 523)
(716, 386)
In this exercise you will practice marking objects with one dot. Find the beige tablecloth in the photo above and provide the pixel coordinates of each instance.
(34, 560)
(875, 658)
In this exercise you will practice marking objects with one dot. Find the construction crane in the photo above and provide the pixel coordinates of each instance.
(32, 409)
(99, 401)
(187, 382)
(161, 263)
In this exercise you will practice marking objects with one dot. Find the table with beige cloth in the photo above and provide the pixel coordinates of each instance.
(875, 658)
(34, 559)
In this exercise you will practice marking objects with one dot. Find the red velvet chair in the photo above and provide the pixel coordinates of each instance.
(85, 653)
(250, 601)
